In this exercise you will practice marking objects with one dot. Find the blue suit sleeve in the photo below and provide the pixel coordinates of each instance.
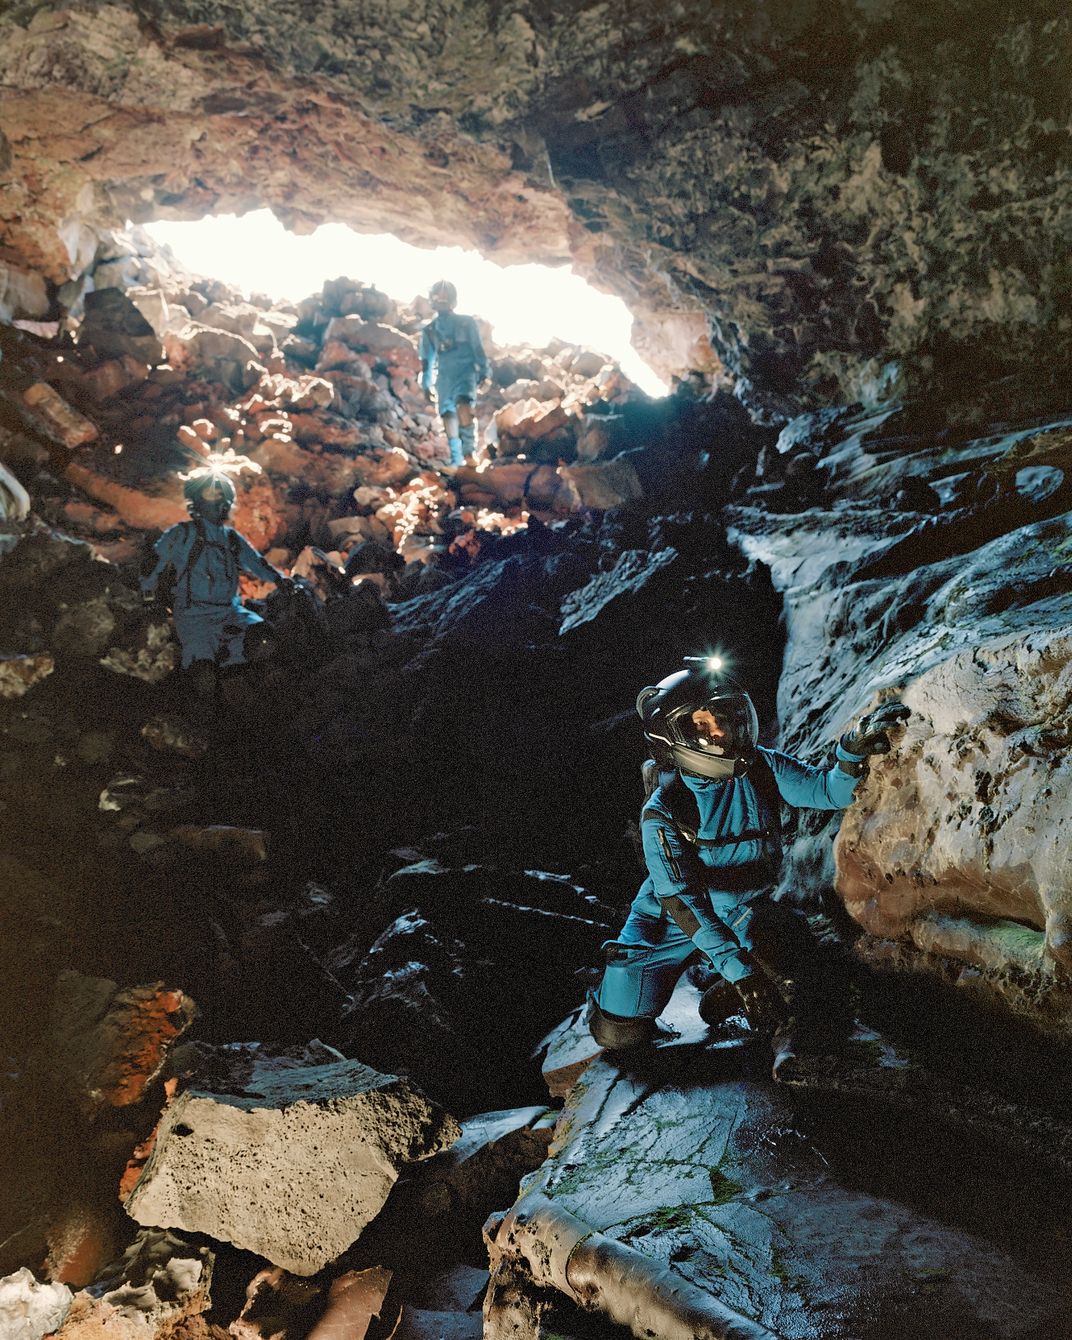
(811, 788)
(254, 563)
(677, 880)
(172, 547)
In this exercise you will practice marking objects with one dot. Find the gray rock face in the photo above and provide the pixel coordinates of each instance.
(293, 1163)
(685, 1199)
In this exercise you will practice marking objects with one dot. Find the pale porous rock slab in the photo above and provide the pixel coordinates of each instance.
(292, 1162)
(686, 1200)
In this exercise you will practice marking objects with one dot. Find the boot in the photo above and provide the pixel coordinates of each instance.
(617, 1032)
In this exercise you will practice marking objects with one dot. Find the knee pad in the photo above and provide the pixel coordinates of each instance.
(616, 1033)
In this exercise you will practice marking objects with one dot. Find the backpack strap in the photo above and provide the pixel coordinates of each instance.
(198, 548)
(685, 813)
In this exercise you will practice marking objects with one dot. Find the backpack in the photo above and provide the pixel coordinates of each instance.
(170, 580)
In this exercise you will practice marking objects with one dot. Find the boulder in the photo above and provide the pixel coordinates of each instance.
(114, 327)
(159, 1287)
(108, 1044)
(62, 422)
(287, 1159)
(660, 1163)
(30, 1310)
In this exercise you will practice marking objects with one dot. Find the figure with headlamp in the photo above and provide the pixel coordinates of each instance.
(711, 835)
(198, 563)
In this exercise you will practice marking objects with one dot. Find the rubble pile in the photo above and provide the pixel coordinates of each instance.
(321, 397)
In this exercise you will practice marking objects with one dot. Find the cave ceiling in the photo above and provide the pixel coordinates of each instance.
(850, 200)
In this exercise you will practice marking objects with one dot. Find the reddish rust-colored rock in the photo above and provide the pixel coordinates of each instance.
(60, 420)
(108, 1044)
(355, 1300)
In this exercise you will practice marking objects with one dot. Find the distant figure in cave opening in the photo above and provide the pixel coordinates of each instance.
(453, 353)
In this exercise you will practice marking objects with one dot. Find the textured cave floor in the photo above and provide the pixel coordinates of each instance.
(822, 1215)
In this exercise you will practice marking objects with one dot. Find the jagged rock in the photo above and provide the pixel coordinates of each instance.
(382, 468)
(436, 1210)
(328, 1140)
(170, 734)
(152, 659)
(18, 674)
(62, 422)
(107, 1045)
(355, 1300)
(115, 328)
(431, 982)
(22, 294)
(277, 1305)
(161, 1286)
(30, 1310)
(601, 484)
(636, 574)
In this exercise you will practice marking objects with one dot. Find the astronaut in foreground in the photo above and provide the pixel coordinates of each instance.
(712, 845)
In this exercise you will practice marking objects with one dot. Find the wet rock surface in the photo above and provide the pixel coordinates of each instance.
(743, 1205)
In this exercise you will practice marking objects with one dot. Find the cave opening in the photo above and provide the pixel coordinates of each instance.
(529, 304)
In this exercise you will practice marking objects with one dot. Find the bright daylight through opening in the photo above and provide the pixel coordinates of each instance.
(525, 304)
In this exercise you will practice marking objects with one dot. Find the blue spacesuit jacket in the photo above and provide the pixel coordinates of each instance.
(712, 881)
(451, 347)
(209, 617)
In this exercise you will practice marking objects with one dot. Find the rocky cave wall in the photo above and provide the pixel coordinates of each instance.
(843, 202)
(426, 795)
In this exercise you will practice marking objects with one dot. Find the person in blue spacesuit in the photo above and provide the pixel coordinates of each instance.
(712, 846)
(452, 353)
(203, 558)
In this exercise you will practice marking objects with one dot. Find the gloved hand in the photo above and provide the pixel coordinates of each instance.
(762, 1004)
(870, 735)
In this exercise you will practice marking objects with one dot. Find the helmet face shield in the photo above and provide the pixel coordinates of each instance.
(443, 296)
(210, 497)
(708, 727)
(724, 726)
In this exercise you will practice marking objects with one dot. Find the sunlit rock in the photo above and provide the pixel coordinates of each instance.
(30, 1310)
(62, 422)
